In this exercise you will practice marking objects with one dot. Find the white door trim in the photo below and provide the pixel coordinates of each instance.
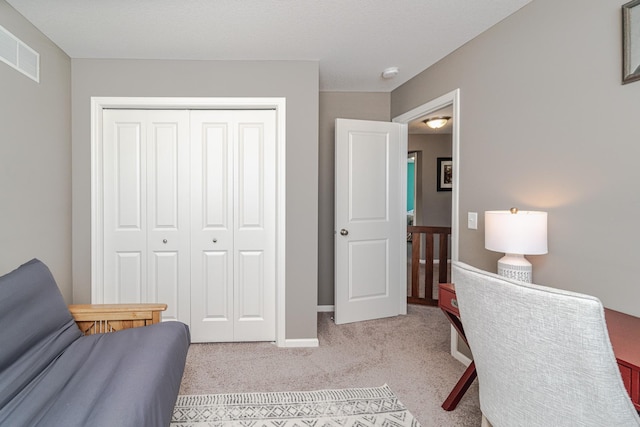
(97, 239)
(452, 98)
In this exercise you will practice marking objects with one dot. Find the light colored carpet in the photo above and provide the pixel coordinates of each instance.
(409, 353)
(355, 407)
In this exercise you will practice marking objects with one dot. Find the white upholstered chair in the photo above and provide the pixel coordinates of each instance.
(543, 355)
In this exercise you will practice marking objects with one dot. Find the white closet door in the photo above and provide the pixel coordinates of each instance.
(125, 215)
(146, 217)
(212, 226)
(169, 276)
(233, 226)
(254, 231)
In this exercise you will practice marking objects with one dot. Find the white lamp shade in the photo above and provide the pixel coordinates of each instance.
(524, 232)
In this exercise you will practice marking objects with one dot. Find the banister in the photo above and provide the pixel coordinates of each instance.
(428, 232)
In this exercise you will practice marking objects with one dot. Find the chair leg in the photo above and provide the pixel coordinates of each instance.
(485, 422)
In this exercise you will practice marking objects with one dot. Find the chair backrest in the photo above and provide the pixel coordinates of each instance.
(543, 355)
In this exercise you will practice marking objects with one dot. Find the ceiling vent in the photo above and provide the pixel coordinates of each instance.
(18, 55)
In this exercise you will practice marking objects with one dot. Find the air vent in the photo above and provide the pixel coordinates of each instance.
(18, 55)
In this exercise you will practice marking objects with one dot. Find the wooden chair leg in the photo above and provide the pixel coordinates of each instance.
(460, 388)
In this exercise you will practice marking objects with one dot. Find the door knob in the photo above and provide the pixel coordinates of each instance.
(164, 240)
(215, 240)
(344, 232)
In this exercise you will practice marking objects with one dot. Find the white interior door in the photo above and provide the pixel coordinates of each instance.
(233, 170)
(146, 216)
(370, 204)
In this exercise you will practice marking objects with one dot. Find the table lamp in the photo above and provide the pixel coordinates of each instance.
(516, 233)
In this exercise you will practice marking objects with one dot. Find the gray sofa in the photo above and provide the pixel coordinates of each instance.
(52, 375)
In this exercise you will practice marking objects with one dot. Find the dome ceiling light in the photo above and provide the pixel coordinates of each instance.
(437, 122)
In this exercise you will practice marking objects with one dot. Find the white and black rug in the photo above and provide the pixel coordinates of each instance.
(353, 407)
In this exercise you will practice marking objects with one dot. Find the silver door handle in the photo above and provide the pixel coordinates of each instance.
(344, 232)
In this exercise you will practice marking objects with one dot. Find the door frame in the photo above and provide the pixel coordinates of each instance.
(451, 98)
(98, 104)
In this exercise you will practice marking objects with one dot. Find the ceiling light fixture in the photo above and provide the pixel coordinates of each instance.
(390, 72)
(436, 122)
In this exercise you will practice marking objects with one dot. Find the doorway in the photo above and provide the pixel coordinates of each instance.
(450, 99)
(453, 99)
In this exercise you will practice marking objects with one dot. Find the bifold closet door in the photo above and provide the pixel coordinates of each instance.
(233, 188)
(146, 209)
(189, 217)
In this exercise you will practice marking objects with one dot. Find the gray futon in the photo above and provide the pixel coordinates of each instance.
(52, 375)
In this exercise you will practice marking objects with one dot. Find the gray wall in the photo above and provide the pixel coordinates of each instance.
(333, 105)
(534, 91)
(35, 157)
(295, 80)
(436, 205)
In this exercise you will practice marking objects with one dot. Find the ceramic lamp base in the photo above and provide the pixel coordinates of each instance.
(515, 267)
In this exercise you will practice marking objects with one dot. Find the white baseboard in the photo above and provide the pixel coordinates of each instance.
(302, 342)
(308, 342)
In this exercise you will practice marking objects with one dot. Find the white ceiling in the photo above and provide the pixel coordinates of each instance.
(353, 40)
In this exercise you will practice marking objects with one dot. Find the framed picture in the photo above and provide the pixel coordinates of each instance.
(631, 41)
(445, 173)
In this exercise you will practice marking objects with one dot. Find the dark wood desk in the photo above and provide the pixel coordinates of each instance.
(624, 333)
(449, 304)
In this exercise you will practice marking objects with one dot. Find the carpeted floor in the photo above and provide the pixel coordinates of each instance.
(409, 353)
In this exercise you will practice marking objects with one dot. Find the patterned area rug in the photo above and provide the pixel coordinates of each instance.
(355, 407)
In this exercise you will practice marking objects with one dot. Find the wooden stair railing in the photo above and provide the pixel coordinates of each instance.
(416, 233)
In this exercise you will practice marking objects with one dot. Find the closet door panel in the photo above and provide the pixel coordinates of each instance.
(251, 185)
(129, 277)
(212, 227)
(124, 195)
(254, 230)
(168, 211)
(250, 294)
(164, 164)
(146, 185)
(216, 191)
(215, 309)
(164, 282)
(128, 169)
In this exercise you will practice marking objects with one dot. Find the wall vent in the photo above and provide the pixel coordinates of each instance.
(18, 55)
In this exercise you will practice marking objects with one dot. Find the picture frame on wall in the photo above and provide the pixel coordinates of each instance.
(445, 174)
(631, 41)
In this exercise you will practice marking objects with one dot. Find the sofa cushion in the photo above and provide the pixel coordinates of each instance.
(36, 326)
(126, 378)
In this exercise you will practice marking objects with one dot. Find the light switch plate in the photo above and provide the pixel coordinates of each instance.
(472, 220)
